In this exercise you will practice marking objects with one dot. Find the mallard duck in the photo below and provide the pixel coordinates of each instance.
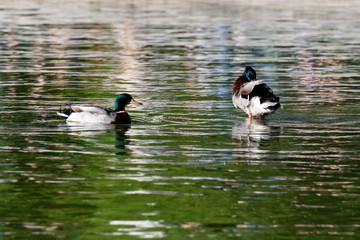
(254, 97)
(96, 114)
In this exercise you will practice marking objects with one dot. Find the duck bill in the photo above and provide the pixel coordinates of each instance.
(133, 101)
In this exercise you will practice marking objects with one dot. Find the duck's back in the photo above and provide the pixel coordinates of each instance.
(258, 101)
(264, 92)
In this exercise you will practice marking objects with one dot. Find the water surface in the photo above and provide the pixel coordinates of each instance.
(191, 166)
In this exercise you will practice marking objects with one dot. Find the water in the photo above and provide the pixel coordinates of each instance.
(190, 166)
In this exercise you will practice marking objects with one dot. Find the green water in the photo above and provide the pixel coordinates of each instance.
(190, 166)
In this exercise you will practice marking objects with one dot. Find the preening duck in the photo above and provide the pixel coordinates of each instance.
(254, 97)
(96, 114)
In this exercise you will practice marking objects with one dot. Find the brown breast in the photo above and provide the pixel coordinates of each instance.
(122, 118)
(239, 83)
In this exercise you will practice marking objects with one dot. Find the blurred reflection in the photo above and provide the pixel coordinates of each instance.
(316, 76)
(249, 136)
(129, 67)
(121, 140)
(90, 130)
(140, 228)
(86, 130)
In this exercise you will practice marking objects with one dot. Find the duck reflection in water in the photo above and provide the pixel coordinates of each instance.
(249, 136)
(121, 140)
(91, 130)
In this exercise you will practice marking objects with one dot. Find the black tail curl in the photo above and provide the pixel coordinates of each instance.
(65, 111)
(265, 93)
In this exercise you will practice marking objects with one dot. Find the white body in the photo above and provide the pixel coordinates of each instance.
(253, 107)
(88, 117)
(89, 114)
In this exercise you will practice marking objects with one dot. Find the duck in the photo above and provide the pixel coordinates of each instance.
(97, 114)
(253, 96)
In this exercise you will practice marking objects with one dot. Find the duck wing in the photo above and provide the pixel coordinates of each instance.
(247, 88)
(241, 98)
(66, 110)
(91, 109)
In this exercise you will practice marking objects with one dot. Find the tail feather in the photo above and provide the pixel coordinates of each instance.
(274, 106)
(62, 114)
(65, 111)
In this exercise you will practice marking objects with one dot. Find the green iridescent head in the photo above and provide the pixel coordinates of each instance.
(122, 100)
(250, 73)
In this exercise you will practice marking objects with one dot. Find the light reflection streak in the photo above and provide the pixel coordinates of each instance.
(148, 192)
(141, 228)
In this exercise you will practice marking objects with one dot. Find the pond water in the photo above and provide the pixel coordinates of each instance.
(191, 166)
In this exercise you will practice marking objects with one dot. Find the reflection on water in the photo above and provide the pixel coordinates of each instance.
(250, 135)
(121, 140)
(294, 175)
(138, 228)
(81, 129)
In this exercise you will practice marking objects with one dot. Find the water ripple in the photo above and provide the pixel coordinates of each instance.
(188, 149)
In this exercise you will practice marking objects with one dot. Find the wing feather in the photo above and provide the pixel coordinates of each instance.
(90, 109)
(248, 87)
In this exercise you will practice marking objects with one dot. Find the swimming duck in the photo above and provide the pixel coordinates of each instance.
(96, 114)
(254, 97)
